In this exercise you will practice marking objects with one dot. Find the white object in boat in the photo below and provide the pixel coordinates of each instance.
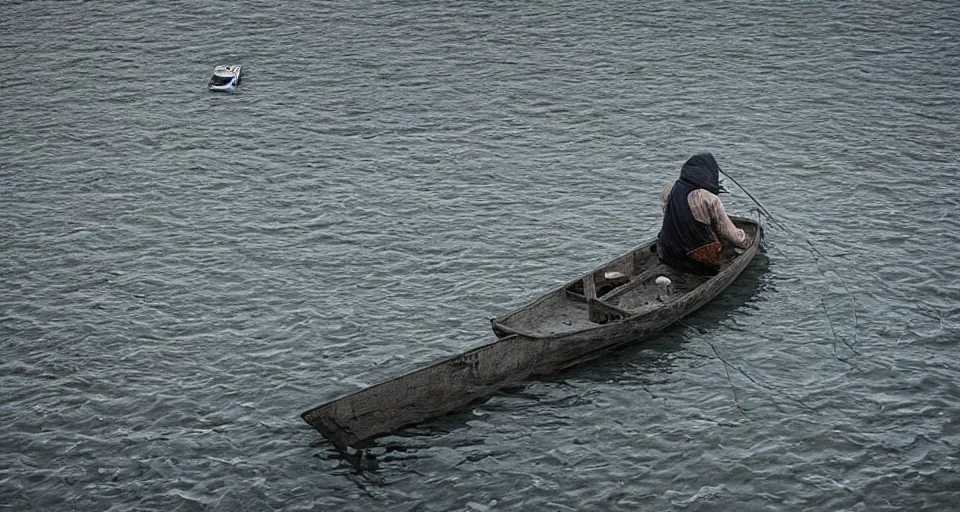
(664, 288)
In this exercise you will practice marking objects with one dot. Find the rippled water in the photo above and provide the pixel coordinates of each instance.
(185, 272)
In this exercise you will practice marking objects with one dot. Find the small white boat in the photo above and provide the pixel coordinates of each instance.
(225, 79)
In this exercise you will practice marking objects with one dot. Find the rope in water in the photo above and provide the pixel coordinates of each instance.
(817, 256)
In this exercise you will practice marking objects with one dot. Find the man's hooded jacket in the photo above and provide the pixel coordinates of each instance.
(681, 233)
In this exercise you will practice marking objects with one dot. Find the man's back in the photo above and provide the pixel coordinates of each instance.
(694, 219)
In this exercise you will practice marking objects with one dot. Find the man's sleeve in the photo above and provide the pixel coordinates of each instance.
(722, 223)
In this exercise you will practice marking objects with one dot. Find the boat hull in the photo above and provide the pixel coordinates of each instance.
(454, 382)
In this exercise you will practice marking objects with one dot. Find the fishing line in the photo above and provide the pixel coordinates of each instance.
(726, 369)
(817, 255)
(756, 383)
(736, 399)
(834, 332)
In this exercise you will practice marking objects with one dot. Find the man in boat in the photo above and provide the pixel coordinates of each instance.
(694, 221)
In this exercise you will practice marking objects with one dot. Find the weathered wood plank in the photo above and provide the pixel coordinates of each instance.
(590, 287)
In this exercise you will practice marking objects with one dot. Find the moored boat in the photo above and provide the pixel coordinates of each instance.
(224, 79)
(624, 300)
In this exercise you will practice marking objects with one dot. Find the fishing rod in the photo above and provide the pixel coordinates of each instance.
(760, 206)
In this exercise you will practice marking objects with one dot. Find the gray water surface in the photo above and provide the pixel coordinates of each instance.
(185, 272)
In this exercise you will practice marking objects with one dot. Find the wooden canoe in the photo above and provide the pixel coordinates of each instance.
(617, 303)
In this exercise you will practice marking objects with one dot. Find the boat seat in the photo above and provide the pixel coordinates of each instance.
(600, 312)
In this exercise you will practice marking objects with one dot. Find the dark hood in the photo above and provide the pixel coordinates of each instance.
(702, 171)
